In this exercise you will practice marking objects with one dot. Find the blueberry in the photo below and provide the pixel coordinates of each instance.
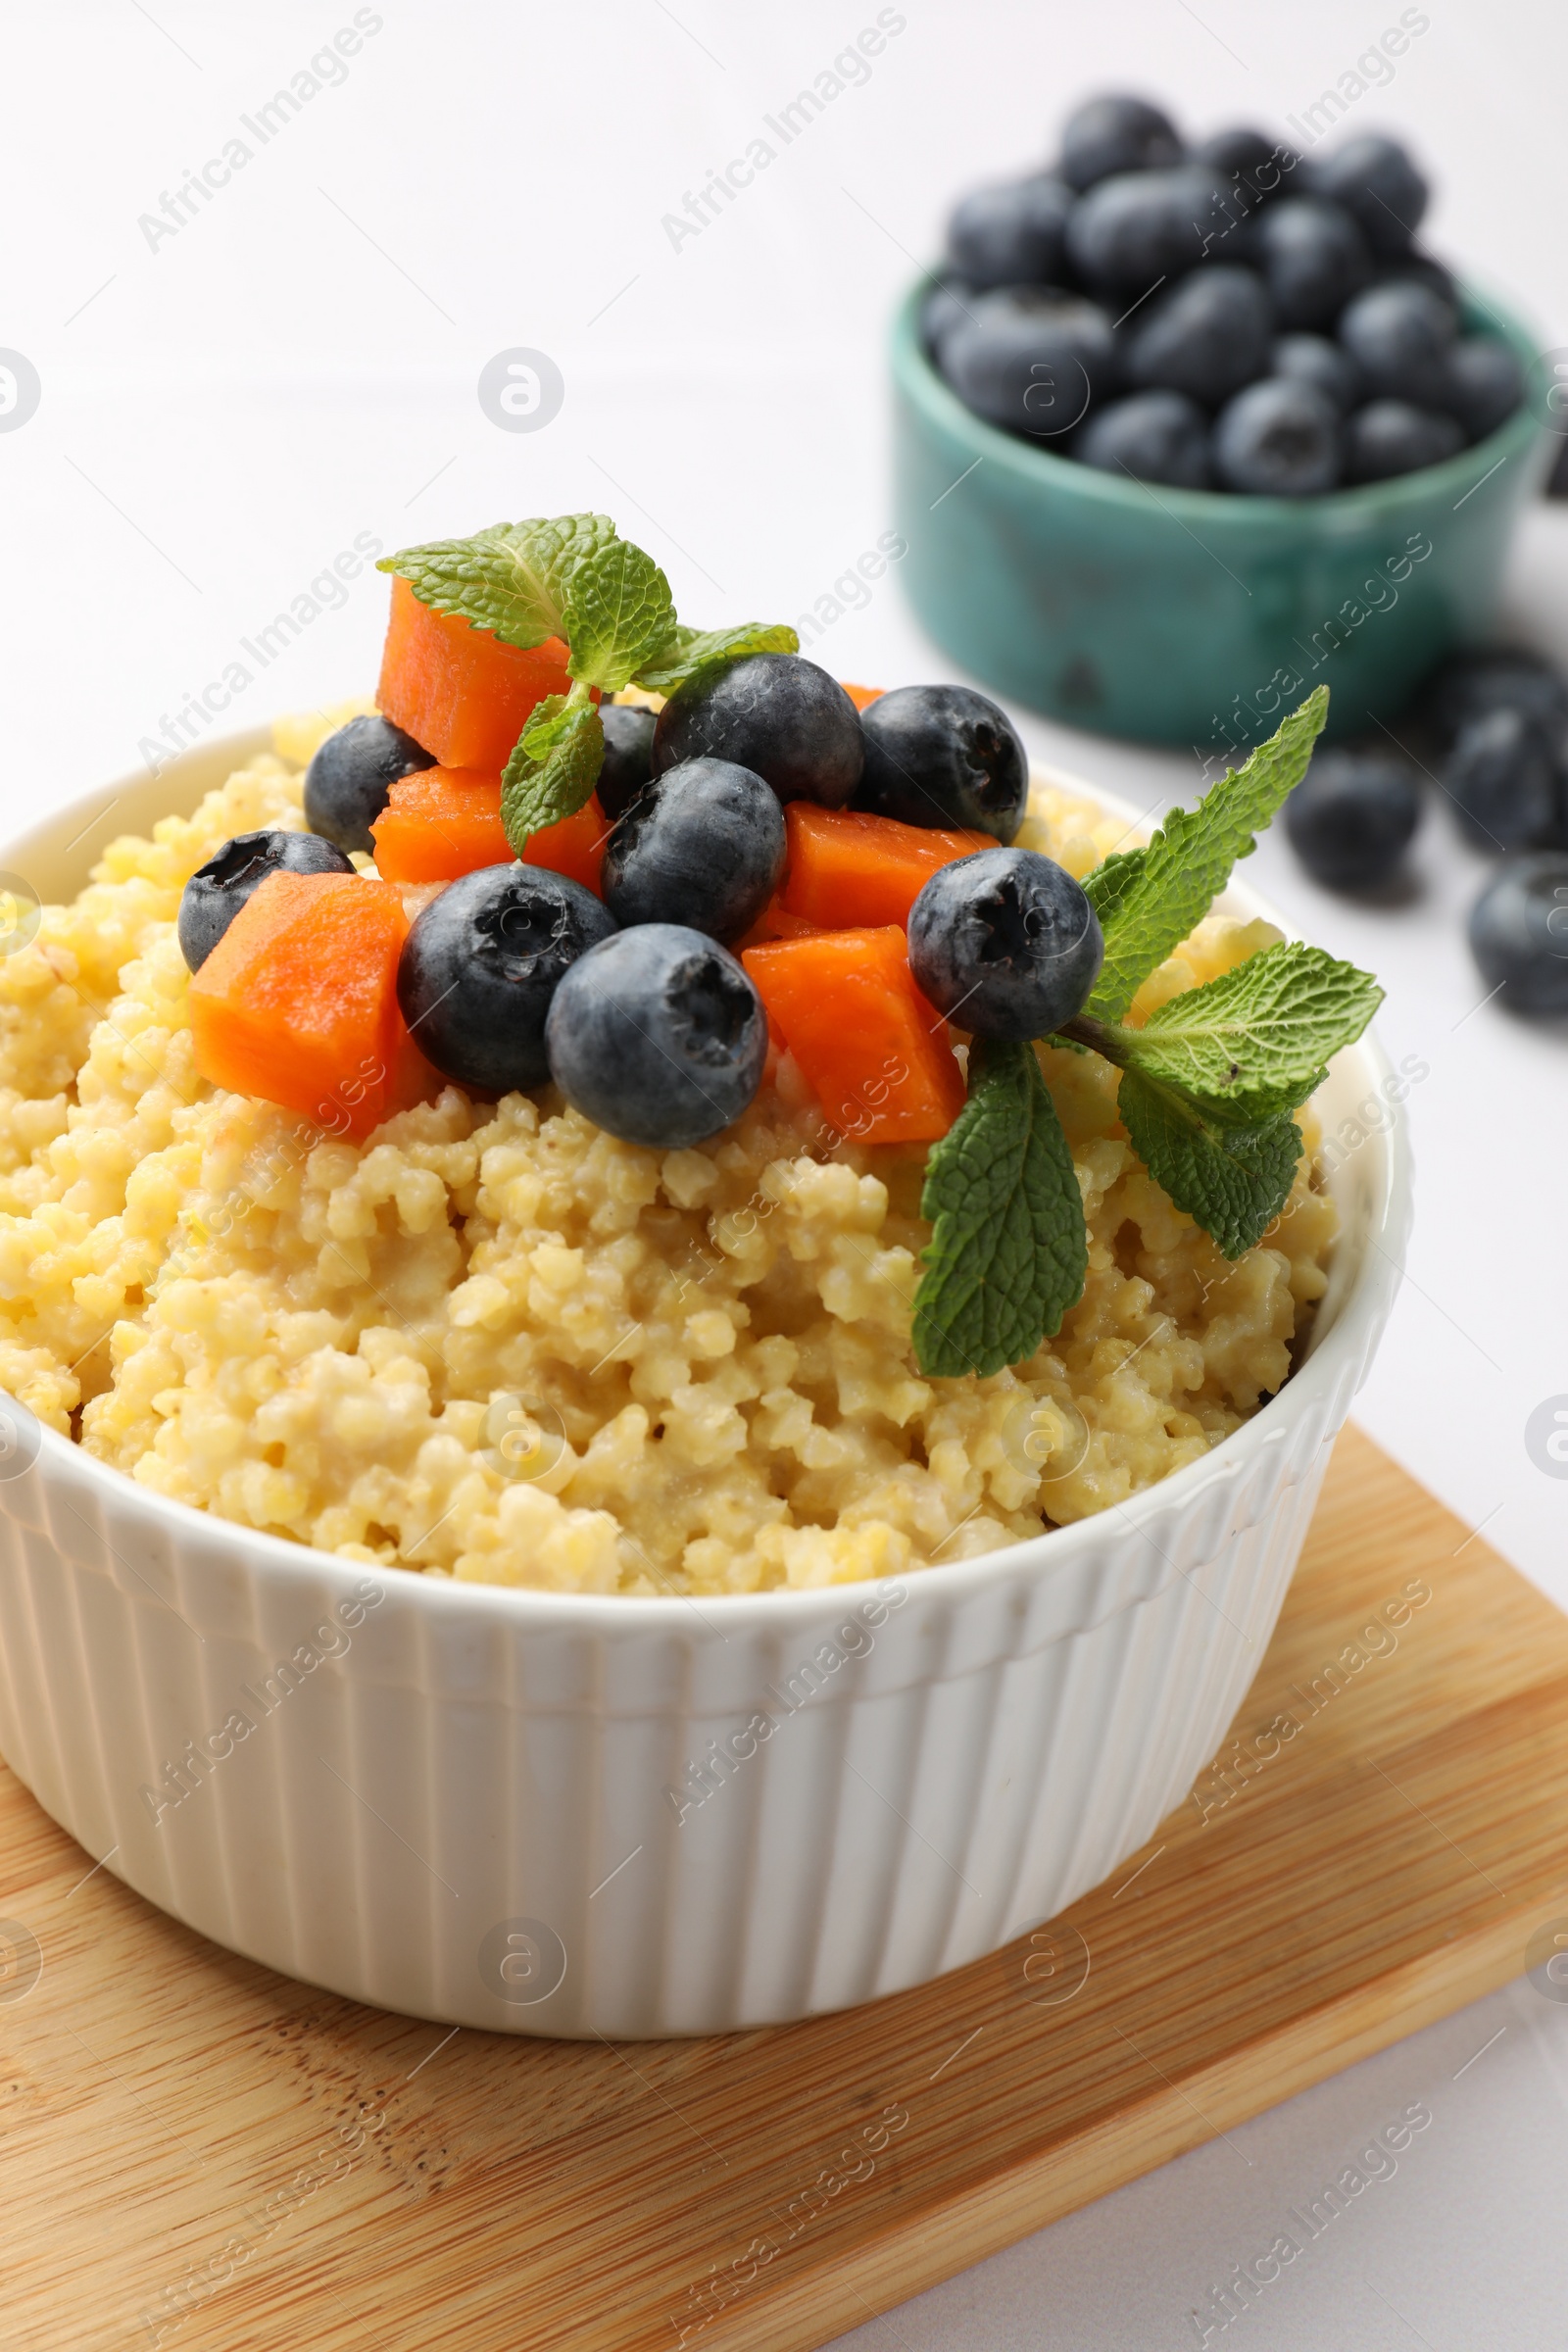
(1352, 817)
(1006, 944)
(944, 755)
(703, 845)
(1375, 181)
(1421, 270)
(1399, 336)
(1389, 436)
(1484, 384)
(1502, 776)
(775, 714)
(1011, 233)
(1153, 436)
(1470, 684)
(628, 755)
(218, 890)
(1114, 133)
(1519, 932)
(659, 1036)
(1278, 439)
(347, 782)
(1304, 359)
(1029, 359)
(1248, 165)
(1313, 257)
(481, 963)
(1129, 232)
(948, 301)
(1207, 337)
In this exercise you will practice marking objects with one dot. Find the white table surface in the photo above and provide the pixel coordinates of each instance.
(225, 407)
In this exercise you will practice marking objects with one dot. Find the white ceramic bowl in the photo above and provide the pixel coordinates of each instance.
(457, 1800)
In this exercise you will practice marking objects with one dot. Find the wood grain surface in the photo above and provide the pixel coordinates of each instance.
(197, 2152)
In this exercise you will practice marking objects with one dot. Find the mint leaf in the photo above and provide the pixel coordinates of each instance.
(1256, 1039)
(553, 765)
(619, 607)
(1111, 880)
(1232, 1181)
(1188, 863)
(513, 579)
(1009, 1251)
(689, 651)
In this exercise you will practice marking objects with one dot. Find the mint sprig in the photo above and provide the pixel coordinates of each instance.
(1149, 899)
(1208, 1084)
(553, 765)
(1009, 1251)
(571, 576)
(1233, 1181)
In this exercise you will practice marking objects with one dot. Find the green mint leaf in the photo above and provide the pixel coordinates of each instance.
(1189, 862)
(619, 607)
(1111, 880)
(1009, 1251)
(553, 765)
(689, 651)
(1257, 1038)
(513, 579)
(1232, 1181)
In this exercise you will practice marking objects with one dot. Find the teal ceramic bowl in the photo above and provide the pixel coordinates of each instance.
(1192, 616)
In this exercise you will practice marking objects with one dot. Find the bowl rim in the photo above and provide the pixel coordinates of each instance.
(1041, 469)
(118, 1495)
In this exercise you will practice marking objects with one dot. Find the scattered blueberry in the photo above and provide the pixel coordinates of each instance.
(775, 714)
(347, 782)
(1110, 135)
(218, 890)
(1250, 163)
(1278, 439)
(703, 845)
(481, 963)
(1519, 932)
(1131, 232)
(1502, 776)
(628, 755)
(1400, 336)
(1352, 817)
(1029, 359)
(1484, 384)
(944, 755)
(1470, 684)
(1207, 337)
(1389, 436)
(1152, 436)
(1011, 233)
(1006, 944)
(659, 1036)
(1375, 181)
(1304, 359)
(1313, 257)
(948, 301)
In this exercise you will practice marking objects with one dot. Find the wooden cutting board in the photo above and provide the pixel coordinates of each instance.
(197, 2152)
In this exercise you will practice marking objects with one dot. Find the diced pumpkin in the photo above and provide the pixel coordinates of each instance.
(298, 1002)
(860, 696)
(457, 690)
(850, 870)
(575, 847)
(875, 1052)
(438, 823)
(775, 922)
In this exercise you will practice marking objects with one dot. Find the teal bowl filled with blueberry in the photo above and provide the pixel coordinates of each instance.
(1182, 433)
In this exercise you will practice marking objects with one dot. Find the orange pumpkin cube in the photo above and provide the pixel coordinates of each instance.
(848, 870)
(457, 690)
(298, 1002)
(874, 1052)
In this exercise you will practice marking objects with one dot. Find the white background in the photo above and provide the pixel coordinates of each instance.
(223, 412)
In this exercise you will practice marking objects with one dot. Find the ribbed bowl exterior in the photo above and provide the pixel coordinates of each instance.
(572, 1815)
